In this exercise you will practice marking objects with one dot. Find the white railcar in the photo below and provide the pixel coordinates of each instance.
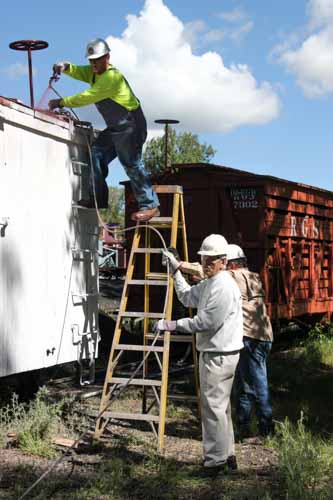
(48, 246)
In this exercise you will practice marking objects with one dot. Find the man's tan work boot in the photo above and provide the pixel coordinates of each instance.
(145, 214)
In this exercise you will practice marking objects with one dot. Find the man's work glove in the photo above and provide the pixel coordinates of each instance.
(168, 256)
(54, 103)
(60, 66)
(168, 325)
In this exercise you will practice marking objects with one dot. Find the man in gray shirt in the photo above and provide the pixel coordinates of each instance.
(218, 326)
(251, 378)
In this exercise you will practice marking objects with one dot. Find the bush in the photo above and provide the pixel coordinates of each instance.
(34, 424)
(304, 461)
(318, 347)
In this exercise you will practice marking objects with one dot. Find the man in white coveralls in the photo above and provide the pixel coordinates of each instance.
(218, 326)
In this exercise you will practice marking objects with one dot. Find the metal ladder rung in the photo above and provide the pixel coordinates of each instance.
(135, 381)
(148, 250)
(132, 314)
(157, 276)
(173, 338)
(139, 348)
(131, 416)
(162, 221)
(147, 282)
(168, 189)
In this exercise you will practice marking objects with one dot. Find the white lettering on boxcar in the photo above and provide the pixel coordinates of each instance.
(305, 227)
(244, 197)
(293, 221)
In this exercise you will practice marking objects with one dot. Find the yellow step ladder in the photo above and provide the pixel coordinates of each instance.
(153, 347)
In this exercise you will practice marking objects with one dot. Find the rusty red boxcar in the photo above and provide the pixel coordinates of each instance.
(284, 227)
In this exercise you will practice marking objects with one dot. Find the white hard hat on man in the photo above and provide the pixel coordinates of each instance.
(235, 252)
(97, 48)
(214, 244)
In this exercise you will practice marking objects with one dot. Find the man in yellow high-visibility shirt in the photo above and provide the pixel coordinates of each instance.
(126, 129)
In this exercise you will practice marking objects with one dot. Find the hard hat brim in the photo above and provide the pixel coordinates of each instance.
(210, 253)
(96, 56)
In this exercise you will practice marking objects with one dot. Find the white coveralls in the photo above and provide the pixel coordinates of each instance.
(218, 326)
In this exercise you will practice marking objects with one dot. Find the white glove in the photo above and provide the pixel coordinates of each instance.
(168, 325)
(60, 66)
(173, 262)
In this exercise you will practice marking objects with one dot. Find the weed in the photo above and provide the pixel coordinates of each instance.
(35, 423)
(318, 346)
(178, 411)
(304, 461)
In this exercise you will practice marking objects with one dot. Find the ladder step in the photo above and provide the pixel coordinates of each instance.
(148, 250)
(126, 314)
(162, 222)
(131, 347)
(157, 276)
(173, 338)
(135, 381)
(183, 397)
(131, 416)
(168, 189)
(147, 282)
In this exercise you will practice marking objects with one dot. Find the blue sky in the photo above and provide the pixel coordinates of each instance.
(253, 78)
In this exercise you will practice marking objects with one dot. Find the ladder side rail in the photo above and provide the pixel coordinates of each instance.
(101, 422)
(194, 347)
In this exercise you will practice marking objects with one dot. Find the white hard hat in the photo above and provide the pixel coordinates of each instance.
(214, 244)
(235, 252)
(97, 48)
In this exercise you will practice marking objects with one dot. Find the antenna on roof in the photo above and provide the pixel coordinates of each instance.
(166, 122)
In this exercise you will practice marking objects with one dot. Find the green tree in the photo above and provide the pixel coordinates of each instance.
(182, 148)
(116, 210)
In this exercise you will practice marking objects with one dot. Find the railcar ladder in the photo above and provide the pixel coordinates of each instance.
(152, 346)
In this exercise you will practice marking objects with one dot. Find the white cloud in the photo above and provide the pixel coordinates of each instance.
(235, 15)
(311, 61)
(155, 133)
(240, 21)
(205, 95)
(238, 34)
(193, 30)
(212, 36)
(320, 12)
(16, 70)
(197, 33)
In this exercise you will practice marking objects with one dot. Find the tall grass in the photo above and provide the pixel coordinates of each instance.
(33, 424)
(304, 460)
(318, 346)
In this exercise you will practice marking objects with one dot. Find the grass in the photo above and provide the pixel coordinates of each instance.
(318, 346)
(304, 461)
(36, 423)
(301, 379)
(129, 466)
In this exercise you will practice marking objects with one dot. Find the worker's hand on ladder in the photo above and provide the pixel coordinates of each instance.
(168, 325)
(173, 262)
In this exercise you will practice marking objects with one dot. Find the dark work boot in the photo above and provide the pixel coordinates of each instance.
(244, 431)
(216, 472)
(232, 463)
(266, 429)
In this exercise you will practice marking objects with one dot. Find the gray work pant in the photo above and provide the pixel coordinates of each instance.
(217, 373)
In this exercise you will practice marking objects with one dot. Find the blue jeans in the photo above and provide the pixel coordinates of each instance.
(125, 141)
(252, 385)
